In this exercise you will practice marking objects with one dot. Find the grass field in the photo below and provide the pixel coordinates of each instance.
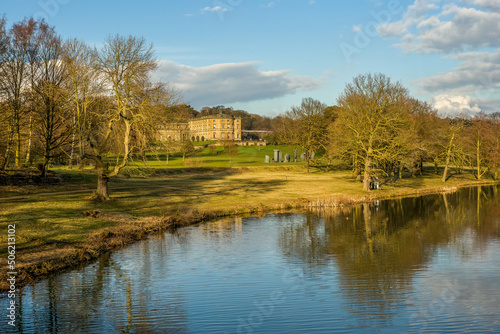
(52, 228)
(247, 156)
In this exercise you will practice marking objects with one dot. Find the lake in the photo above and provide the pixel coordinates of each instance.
(423, 264)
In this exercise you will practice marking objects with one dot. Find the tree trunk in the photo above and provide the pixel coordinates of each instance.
(366, 178)
(102, 187)
(28, 155)
(478, 157)
(18, 143)
(448, 156)
(45, 167)
(307, 160)
(355, 164)
(7, 151)
(72, 153)
(445, 173)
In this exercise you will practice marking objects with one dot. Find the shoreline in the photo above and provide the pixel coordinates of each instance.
(59, 257)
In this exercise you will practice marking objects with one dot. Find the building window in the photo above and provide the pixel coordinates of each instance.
(222, 136)
(238, 136)
(222, 126)
(215, 136)
(229, 126)
(214, 126)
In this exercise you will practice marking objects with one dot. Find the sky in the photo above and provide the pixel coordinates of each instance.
(265, 56)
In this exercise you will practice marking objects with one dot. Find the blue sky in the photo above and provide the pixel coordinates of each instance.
(265, 56)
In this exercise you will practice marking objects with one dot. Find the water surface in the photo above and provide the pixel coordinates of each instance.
(425, 264)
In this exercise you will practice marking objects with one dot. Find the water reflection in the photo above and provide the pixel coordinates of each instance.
(105, 297)
(381, 248)
(415, 264)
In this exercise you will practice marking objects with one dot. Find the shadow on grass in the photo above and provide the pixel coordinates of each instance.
(56, 219)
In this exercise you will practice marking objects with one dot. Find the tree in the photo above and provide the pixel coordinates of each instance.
(453, 133)
(4, 119)
(19, 49)
(308, 128)
(84, 87)
(481, 141)
(230, 148)
(375, 120)
(125, 65)
(494, 154)
(186, 148)
(52, 117)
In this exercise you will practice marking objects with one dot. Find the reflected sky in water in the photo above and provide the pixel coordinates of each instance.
(425, 264)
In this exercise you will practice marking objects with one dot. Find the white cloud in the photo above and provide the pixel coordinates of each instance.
(415, 14)
(467, 31)
(357, 28)
(479, 74)
(232, 82)
(452, 29)
(454, 105)
(491, 4)
(214, 9)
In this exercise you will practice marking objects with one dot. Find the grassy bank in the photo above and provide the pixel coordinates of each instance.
(64, 227)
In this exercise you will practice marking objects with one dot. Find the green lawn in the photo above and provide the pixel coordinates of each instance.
(247, 156)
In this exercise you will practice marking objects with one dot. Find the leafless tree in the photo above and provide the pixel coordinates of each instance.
(130, 118)
(52, 115)
(375, 119)
(20, 44)
(309, 129)
(84, 86)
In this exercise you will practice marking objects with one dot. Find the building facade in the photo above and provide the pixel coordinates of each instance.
(209, 128)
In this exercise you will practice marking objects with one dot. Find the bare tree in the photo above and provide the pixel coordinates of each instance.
(481, 143)
(125, 65)
(454, 131)
(309, 128)
(374, 120)
(84, 86)
(19, 46)
(4, 119)
(53, 118)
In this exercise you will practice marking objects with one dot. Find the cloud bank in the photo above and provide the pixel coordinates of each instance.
(232, 82)
(453, 105)
(451, 29)
(467, 31)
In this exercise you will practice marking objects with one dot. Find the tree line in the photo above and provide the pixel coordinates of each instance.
(64, 98)
(378, 129)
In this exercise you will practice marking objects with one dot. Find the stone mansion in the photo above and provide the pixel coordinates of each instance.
(214, 127)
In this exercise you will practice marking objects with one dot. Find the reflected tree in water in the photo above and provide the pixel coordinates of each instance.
(378, 248)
